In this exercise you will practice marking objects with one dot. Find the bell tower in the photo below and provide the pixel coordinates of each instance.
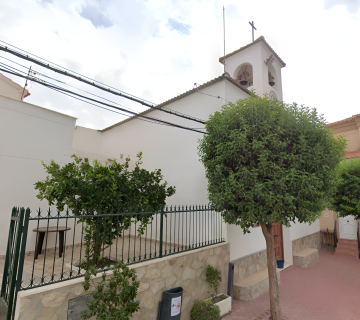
(256, 66)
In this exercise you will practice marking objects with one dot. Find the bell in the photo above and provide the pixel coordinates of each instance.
(243, 80)
(271, 80)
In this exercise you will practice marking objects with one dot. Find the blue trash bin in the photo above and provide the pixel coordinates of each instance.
(280, 264)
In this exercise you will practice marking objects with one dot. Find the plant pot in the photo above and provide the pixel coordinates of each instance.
(280, 264)
(224, 305)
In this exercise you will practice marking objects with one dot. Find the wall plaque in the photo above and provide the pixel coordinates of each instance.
(77, 306)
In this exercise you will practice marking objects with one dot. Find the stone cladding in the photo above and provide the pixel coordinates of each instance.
(310, 241)
(185, 269)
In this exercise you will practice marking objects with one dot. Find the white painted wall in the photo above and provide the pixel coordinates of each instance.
(242, 245)
(299, 230)
(10, 89)
(29, 135)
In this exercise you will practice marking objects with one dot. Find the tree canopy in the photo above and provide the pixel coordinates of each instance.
(82, 186)
(267, 161)
(346, 199)
(92, 190)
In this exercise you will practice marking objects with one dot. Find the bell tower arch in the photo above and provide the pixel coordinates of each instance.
(256, 66)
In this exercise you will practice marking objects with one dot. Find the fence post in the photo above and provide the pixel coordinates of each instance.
(161, 229)
(15, 264)
(22, 256)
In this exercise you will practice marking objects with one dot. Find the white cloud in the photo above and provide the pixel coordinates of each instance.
(139, 54)
(352, 6)
(97, 18)
(178, 26)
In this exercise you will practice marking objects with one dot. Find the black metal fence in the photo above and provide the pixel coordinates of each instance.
(63, 245)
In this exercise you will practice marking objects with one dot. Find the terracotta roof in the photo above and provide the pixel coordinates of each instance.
(352, 118)
(27, 93)
(354, 154)
(261, 38)
(224, 76)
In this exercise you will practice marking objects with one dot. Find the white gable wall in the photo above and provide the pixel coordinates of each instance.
(28, 135)
(173, 150)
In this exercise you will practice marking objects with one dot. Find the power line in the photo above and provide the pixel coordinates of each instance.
(92, 83)
(126, 115)
(44, 83)
(6, 66)
(41, 74)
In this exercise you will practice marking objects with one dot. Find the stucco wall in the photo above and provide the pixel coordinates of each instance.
(243, 245)
(299, 230)
(185, 269)
(30, 134)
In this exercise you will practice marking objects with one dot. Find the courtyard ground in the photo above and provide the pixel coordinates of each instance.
(327, 290)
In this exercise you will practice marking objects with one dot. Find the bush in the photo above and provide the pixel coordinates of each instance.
(213, 276)
(205, 310)
(114, 298)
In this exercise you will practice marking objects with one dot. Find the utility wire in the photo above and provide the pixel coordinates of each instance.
(126, 115)
(35, 72)
(92, 83)
(103, 103)
(41, 74)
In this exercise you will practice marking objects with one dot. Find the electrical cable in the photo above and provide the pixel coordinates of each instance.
(42, 82)
(35, 72)
(210, 95)
(97, 84)
(41, 74)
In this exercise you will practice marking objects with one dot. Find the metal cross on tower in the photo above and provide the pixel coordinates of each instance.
(253, 27)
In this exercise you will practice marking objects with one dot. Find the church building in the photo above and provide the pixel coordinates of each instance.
(51, 135)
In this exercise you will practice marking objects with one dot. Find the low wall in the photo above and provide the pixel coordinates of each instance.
(310, 241)
(186, 270)
(247, 266)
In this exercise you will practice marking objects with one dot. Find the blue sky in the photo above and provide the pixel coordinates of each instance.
(159, 49)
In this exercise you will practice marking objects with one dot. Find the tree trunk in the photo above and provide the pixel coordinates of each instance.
(273, 281)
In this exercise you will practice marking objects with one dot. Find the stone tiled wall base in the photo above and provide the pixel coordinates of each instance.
(251, 293)
(306, 262)
(245, 267)
(187, 270)
(310, 241)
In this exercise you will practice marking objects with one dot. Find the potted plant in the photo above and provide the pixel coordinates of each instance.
(223, 301)
(205, 310)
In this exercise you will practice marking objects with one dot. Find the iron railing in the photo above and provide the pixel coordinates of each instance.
(14, 260)
(74, 241)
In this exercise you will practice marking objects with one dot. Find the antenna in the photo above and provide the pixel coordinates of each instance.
(224, 33)
(22, 95)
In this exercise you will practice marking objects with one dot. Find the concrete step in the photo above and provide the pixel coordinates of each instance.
(348, 252)
(347, 242)
(347, 256)
(355, 248)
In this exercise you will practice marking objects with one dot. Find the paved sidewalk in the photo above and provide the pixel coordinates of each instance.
(328, 290)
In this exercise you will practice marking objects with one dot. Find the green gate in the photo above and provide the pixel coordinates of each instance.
(13, 267)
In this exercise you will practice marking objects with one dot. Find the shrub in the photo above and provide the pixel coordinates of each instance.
(213, 276)
(205, 310)
(114, 298)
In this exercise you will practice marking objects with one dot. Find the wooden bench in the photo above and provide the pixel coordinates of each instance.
(254, 286)
(306, 258)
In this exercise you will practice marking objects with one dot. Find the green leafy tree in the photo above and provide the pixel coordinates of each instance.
(346, 199)
(213, 277)
(114, 298)
(268, 162)
(103, 188)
